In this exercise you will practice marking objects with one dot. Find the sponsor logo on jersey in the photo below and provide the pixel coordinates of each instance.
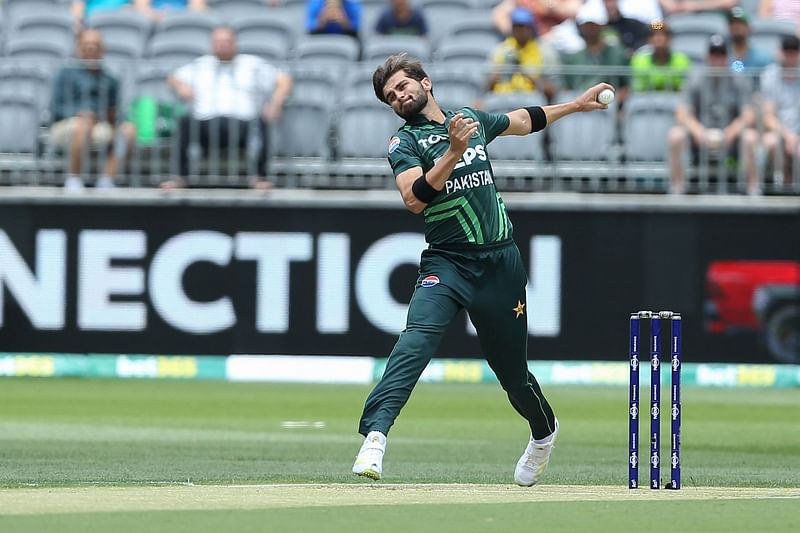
(430, 281)
(394, 142)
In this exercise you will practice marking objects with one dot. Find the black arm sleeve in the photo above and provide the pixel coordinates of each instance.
(538, 118)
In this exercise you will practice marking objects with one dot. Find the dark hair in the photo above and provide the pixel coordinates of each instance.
(411, 66)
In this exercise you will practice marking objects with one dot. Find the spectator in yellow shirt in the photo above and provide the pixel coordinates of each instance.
(521, 61)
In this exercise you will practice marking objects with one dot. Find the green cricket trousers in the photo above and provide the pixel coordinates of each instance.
(490, 284)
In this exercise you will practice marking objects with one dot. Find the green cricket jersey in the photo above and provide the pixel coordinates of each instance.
(469, 209)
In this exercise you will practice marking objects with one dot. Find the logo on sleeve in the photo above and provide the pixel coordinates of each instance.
(430, 281)
(394, 142)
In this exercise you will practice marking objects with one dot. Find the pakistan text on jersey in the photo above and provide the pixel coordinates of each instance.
(469, 181)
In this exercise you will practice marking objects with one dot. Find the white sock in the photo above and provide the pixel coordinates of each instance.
(381, 437)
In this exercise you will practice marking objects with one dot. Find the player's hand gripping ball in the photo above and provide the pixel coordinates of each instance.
(606, 96)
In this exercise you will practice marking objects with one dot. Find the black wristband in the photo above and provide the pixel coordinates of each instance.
(423, 190)
(538, 118)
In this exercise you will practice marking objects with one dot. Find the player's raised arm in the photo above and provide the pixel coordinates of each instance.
(532, 119)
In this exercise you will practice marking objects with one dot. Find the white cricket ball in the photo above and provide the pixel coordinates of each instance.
(606, 96)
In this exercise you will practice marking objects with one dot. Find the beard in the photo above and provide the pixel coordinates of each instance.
(414, 106)
(739, 39)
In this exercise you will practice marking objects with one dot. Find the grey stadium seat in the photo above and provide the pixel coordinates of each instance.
(267, 26)
(462, 51)
(320, 83)
(380, 47)
(55, 27)
(267, 49)
(35, 51)
(191, 26)
(528, 147)
(327, 49)
(359, 82)
(229, 10)
(293, 137)
(766, 34)
(151, 80)
(364, 127)
(455, 86)
(690, 33)
(585, 136)
(24, 79)
(175, 49)
(21, 8)
(475, 27)
(128, 27)
(21, 111)
(647, 119)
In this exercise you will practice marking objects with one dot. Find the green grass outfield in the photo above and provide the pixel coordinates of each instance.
(124, 455)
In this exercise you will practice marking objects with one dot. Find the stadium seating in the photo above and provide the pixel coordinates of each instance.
(327, 49)
(230, 10)
(585, 136)
(380, 47)
(23, 112)
(56, 27)
(175, 49)
(292, 136)
(32, 81)
(767, 33)
(190, 26)
(129, 30)
(364, 126)
(647, 119)
(265, 27)
(35, 51)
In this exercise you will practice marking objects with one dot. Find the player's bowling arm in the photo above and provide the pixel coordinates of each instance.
(520, 119)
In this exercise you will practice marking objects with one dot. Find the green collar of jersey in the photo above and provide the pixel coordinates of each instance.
(419, 120)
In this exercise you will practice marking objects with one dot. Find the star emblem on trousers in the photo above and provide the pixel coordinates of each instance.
(519, 309)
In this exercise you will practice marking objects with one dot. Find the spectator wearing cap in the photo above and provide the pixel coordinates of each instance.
(600, 52)
(659, 67)
(631, 33)
(401, 18)
(780, 109)
(742, 55)
(715, 112)
(521, 61)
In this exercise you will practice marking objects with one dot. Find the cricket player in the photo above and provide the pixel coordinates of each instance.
(440, 160)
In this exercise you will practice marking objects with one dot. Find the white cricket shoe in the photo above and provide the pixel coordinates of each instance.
(369, 461)
(534, 460)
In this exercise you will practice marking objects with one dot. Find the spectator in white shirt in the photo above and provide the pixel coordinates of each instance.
(231, 96)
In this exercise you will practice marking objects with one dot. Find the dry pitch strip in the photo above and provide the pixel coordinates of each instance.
(186, 496)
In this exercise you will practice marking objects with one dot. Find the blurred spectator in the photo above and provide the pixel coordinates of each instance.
(520, 60)
(672, 7)
(742, 54)
(659, 68)
(333, 16)
(715, 112)
(156, 9)
(780, 9)
(598, 54)
(632, 33)
(780, 91)
(645, 11)
(401, 18)
(84, 112)
(227, 92)
(83, 9)
(548, 13)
